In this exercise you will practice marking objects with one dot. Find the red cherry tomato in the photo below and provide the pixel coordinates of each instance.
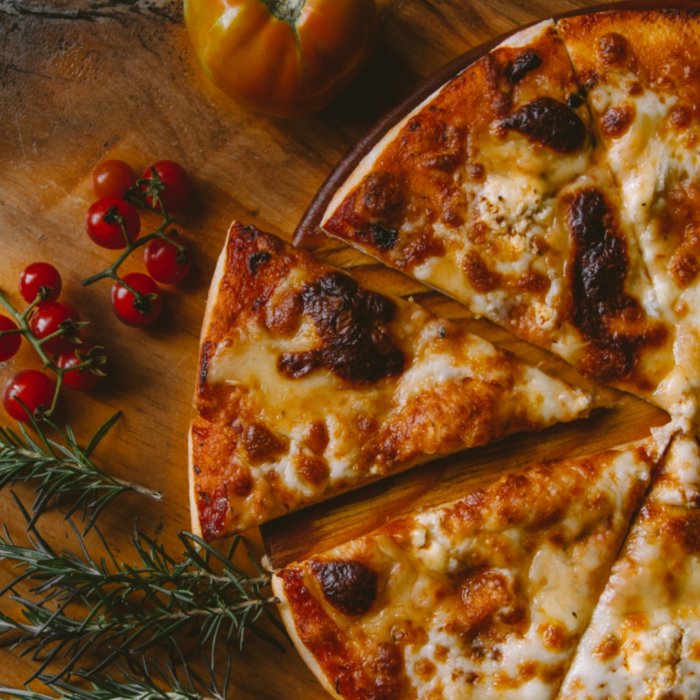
(112, 178)
(77, 379)
(37, 277)
(177, 186)
(30, 386)
(165, 262)
(47, 319)
(128, 308)
(9, 344)
(104, 230)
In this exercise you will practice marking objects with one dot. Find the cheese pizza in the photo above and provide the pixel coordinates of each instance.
(644, 638)
(494, 191)
(641, 72)
(483, 597)
(310, 384)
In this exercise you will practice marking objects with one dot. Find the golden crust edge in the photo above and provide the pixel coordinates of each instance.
(368, 161)
(307, 657)
(195, 524)
(212, 297)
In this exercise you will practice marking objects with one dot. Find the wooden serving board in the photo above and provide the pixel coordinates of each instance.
(81, 81)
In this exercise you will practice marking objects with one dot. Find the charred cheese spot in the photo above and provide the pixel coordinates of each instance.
(212, 510)
(478, 274)
(680, 117)
(383, 236)
(257, 260)
(283, 317)
(685, 530)
(261, 445)
(380, 194)
(608, 647)
(313, 470)
(684, 263)
(616, 120)
(316, 438)
(612, 48)
(554, 636)
(613, 322)
(549, 122)
(387, 669)
(482, 595)
(353, 325)
(241, 483)
(425, 245)
(425, 669)
(347, 585)
(476, 171)
(524, 63)
(533, 282)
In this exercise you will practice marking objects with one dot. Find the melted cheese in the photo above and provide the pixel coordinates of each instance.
(248, 360)
(644, 638)
(554, 568)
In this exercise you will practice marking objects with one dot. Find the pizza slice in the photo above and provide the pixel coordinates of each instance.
(483, 597)
(491, 192)
(310, 384)
(641, 72)
(644, 638)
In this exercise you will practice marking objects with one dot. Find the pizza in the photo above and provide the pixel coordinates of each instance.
(499, 191)
(641, 72)
(552, 187)
(310, 384)
(644, 638)
(483, 597)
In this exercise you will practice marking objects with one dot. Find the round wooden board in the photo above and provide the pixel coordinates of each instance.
(79, 84)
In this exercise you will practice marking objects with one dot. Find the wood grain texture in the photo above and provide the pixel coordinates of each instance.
(78, 85)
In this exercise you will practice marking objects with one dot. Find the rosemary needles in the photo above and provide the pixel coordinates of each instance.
(59, 467)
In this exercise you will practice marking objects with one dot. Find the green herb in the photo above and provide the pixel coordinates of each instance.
(61, 469)
(88, 613)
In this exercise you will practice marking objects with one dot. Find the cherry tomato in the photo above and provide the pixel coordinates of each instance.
(285, 57)
(128, 308)
(177, 186)
(77, 379)
(104, 230)
(9, 344)
(164, 262)
(37, 277)
(33, 388)
(47, 319)
(112, 178)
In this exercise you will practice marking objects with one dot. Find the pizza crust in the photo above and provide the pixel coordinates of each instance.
(308, 658)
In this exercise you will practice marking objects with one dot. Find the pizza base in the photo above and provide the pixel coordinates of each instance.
(395, 549)
(308, 658)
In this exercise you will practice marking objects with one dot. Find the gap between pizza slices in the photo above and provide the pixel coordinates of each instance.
(310, 385)
(483, 597)
(578, 233)
(643, 641)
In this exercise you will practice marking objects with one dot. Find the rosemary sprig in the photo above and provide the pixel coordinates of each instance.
(100, 610)
(165, 685)
(61, 468)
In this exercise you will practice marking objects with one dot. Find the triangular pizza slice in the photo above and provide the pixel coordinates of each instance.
(641, 72)
(310, 384)
(491, 191)
(483, 597)
(644, 639)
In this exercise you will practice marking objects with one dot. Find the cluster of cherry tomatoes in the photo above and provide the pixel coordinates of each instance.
(55, 327)
(114, 222)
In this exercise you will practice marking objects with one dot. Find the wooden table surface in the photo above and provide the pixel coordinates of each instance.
(79, 84)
